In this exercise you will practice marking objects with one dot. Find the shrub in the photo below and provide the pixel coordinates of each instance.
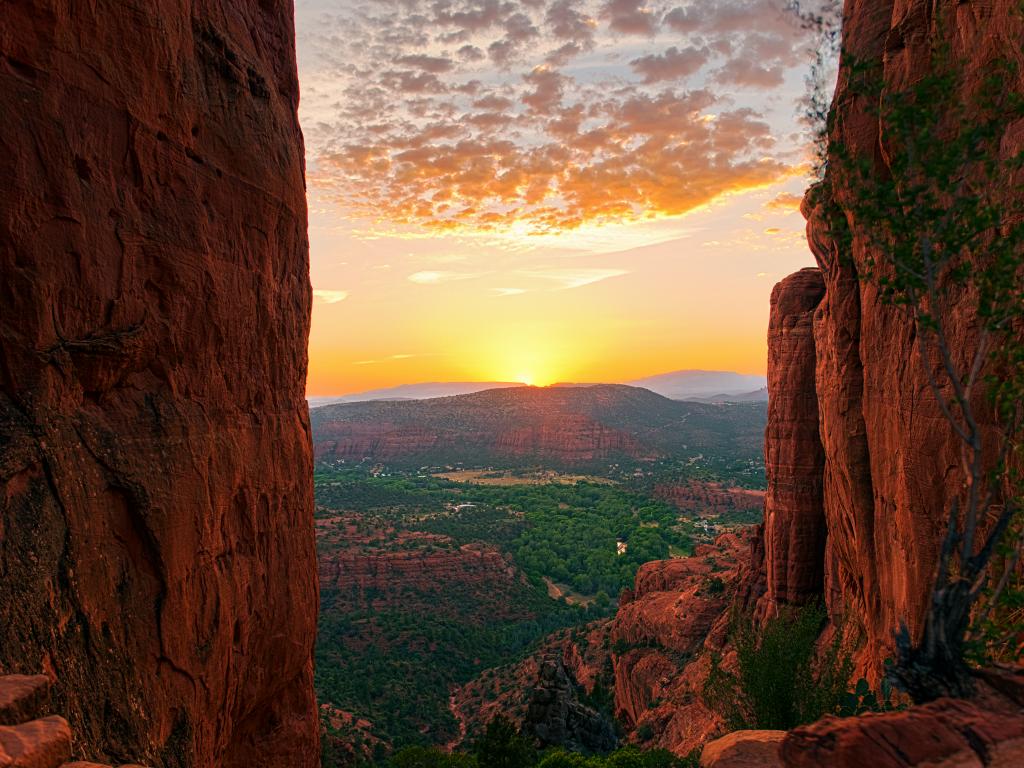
(430, 757)
(503, 746)
(780, 683)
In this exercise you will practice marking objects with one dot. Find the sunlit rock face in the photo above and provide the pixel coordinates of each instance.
(156, 537)
(794, 524)
(891, 460)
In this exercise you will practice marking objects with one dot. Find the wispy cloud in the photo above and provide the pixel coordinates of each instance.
(434, 277)
(509, 291)
(329, 296)
(575, 278)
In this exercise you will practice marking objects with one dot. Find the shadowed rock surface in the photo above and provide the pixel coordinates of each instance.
(556, 716)
(156, 539)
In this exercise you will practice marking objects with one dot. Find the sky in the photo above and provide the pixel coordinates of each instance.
(548, 190)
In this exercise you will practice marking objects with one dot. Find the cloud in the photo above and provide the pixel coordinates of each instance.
(329, 296)
(509, 291)
(670, 65)
(632, 17)
(434, 277)
(785, 202)
(567, 22)
(575, 278)
(477, 116)
(434, 64)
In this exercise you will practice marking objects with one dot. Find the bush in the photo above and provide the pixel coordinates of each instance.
(430, 757)
(562, 759)
(780, 683)
(503, 746)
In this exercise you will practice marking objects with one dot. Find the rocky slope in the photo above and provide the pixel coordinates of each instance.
(156, 540)
(555, 425)
(663, 636)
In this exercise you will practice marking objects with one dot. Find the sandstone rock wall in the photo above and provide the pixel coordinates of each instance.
(860, 461)
(794, 516)
(891, 461)
(156, 537)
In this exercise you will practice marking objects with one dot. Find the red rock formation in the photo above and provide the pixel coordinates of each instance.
(794, 519)
(711, 499)
(946, 732)
(389, 572)
(561, 425)
(156, 538)
(507, 691)
(662, 633)
(891, 463)
(744, 749)
(860, 460)
(29, 737)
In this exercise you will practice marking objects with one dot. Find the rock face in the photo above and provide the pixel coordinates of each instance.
(556, 717)
(663, 635)
(389, 572)
(744, 749)
(891, 461)
(156, 537)
(859, 459)
(794, 517)
(947, 732)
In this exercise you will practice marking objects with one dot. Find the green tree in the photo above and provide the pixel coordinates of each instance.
(503, 746)
(781, 680)
(430, 757)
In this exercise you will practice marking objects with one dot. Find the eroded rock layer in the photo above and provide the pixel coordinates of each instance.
(156, 537)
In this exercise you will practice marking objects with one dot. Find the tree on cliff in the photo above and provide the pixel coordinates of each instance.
(934, 219)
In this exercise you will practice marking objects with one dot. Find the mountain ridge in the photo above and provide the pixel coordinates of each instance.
(685, 384)
(517, 425)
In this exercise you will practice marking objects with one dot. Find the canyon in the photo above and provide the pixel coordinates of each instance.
(860, 461)
(157, 546)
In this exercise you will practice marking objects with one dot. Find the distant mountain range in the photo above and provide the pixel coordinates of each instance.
(512, 426)
(415, 391)
(708, 386)
(757, 396)
(692, 385)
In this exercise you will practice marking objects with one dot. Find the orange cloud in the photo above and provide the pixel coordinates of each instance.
(473, 114)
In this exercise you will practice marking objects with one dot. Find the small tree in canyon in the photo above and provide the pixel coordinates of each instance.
(934, 219)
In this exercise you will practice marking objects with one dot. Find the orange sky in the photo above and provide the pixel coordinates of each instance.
(547, 191)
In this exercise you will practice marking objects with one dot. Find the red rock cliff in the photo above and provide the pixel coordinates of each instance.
(156, 537)
(890, 458)
(794, 524)
(859, 458)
